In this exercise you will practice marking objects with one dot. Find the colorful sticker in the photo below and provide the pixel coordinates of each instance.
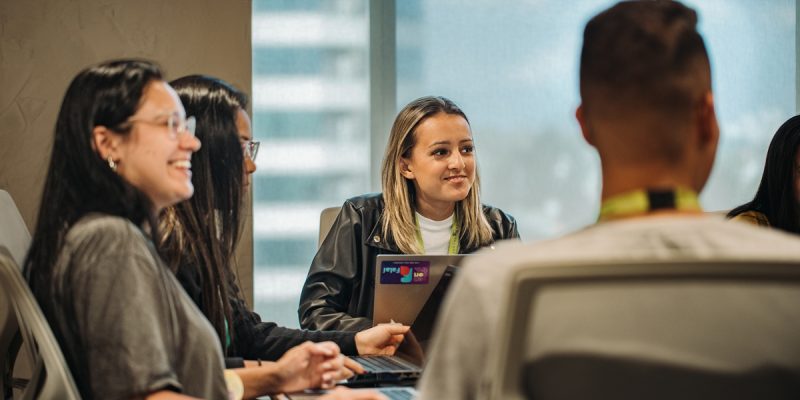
(405, 272)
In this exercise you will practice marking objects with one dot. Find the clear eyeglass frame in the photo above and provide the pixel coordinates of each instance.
(175, 124)
(250, 149)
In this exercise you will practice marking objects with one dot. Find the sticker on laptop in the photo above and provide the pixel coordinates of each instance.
(405, 272)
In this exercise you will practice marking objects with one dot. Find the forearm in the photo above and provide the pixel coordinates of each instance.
(260, 380)
(273, 343)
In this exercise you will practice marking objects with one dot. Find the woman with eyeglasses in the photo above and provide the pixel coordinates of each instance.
(121, 153)
(430, 205)
(200, 235)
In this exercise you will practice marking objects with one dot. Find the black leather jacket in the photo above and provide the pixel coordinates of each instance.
(339, 288)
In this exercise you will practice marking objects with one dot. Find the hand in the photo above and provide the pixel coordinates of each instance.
(381, 339)
(346, 394)
(311, 365)
(353, 366)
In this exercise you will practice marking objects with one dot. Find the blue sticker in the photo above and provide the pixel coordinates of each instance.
(405, 272)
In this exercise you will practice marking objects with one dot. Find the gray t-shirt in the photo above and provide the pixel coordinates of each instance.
(126, 327)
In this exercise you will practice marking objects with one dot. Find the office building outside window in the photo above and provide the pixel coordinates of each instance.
(514, 71)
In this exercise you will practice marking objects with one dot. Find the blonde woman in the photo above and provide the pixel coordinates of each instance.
(430, 205)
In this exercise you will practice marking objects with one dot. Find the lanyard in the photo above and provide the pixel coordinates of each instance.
(453, 248)
(643, 201)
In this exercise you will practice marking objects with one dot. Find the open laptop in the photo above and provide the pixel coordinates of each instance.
(409, 289)
(393, 393)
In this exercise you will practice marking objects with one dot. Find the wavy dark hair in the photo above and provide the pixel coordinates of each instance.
(78, 180)
(775, 197)
(203, 231)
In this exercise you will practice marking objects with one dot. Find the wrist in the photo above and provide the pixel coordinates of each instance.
(359, 343)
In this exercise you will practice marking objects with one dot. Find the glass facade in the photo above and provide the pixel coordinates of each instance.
(514, 71)
(311, 113)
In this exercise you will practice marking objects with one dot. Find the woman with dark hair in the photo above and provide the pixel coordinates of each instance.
(121, 153)
(200, 235)
(778, 195)
(430, 204)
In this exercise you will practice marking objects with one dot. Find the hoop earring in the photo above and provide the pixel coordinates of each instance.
(112, 164)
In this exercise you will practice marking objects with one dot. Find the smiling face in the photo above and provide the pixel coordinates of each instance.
(441, 164)
(150, 157)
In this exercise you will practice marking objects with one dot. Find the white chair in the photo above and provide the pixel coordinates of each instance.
(13, 232)
(657, 330)
(23, 324)
(326, 219)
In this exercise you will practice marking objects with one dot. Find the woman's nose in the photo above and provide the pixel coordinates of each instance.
(249, 165)
(189, 142)
(457, 161)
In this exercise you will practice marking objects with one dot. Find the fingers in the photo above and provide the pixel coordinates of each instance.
(336, 369)
(326, 349)
(396, 329)
(350, 364)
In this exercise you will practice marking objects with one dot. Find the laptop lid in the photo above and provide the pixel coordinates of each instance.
(403, 284)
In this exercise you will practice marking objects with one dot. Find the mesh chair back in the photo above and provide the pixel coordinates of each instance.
(689, 329)
(13, 232)
(326, 219)
(24, 324)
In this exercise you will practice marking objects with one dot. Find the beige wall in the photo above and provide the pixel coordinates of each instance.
(44, 43)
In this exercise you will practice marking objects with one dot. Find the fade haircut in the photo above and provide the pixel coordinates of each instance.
(645, 58)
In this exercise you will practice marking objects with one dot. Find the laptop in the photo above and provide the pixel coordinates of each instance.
(393, 393)
(409, 289)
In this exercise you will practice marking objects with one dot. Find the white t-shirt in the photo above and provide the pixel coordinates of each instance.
(435, 234)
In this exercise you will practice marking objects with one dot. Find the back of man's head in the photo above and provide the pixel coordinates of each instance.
(644, 70)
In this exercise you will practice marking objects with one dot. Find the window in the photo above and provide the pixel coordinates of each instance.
(311, 112)
(514, 71)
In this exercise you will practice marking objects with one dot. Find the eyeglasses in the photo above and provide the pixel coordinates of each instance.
(175, 124)
(250, 149)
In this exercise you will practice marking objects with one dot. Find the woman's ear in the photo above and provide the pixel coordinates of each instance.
(105, 142)
(404, 168)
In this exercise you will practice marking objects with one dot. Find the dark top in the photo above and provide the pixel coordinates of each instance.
(255, 339)
(124, 324)
(339, 289)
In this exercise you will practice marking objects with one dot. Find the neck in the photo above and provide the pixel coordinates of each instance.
(625, 180)
(437, 211)
(617, 181)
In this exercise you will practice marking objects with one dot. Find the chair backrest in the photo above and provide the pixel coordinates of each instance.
(13, 232)
(22, 319)
(684, 329)
(326, 220)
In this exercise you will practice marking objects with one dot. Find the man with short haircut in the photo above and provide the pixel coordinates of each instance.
(648, 109)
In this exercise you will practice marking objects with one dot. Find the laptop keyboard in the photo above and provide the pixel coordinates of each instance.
(398, 393)
(379, 364)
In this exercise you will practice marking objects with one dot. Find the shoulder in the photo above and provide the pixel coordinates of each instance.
(494, 213)
(104, 229)
(503, 224)
(370, 201)
(752, 217)
(108, 240)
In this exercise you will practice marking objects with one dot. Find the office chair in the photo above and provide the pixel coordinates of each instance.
(326, 219)
(22, 319)
(685, 329)
(13, 232)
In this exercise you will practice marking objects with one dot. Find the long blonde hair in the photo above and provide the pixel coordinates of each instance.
(399, 194)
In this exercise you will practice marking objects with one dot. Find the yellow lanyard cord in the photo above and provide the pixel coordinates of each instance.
(643, 201)
(454, 246)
